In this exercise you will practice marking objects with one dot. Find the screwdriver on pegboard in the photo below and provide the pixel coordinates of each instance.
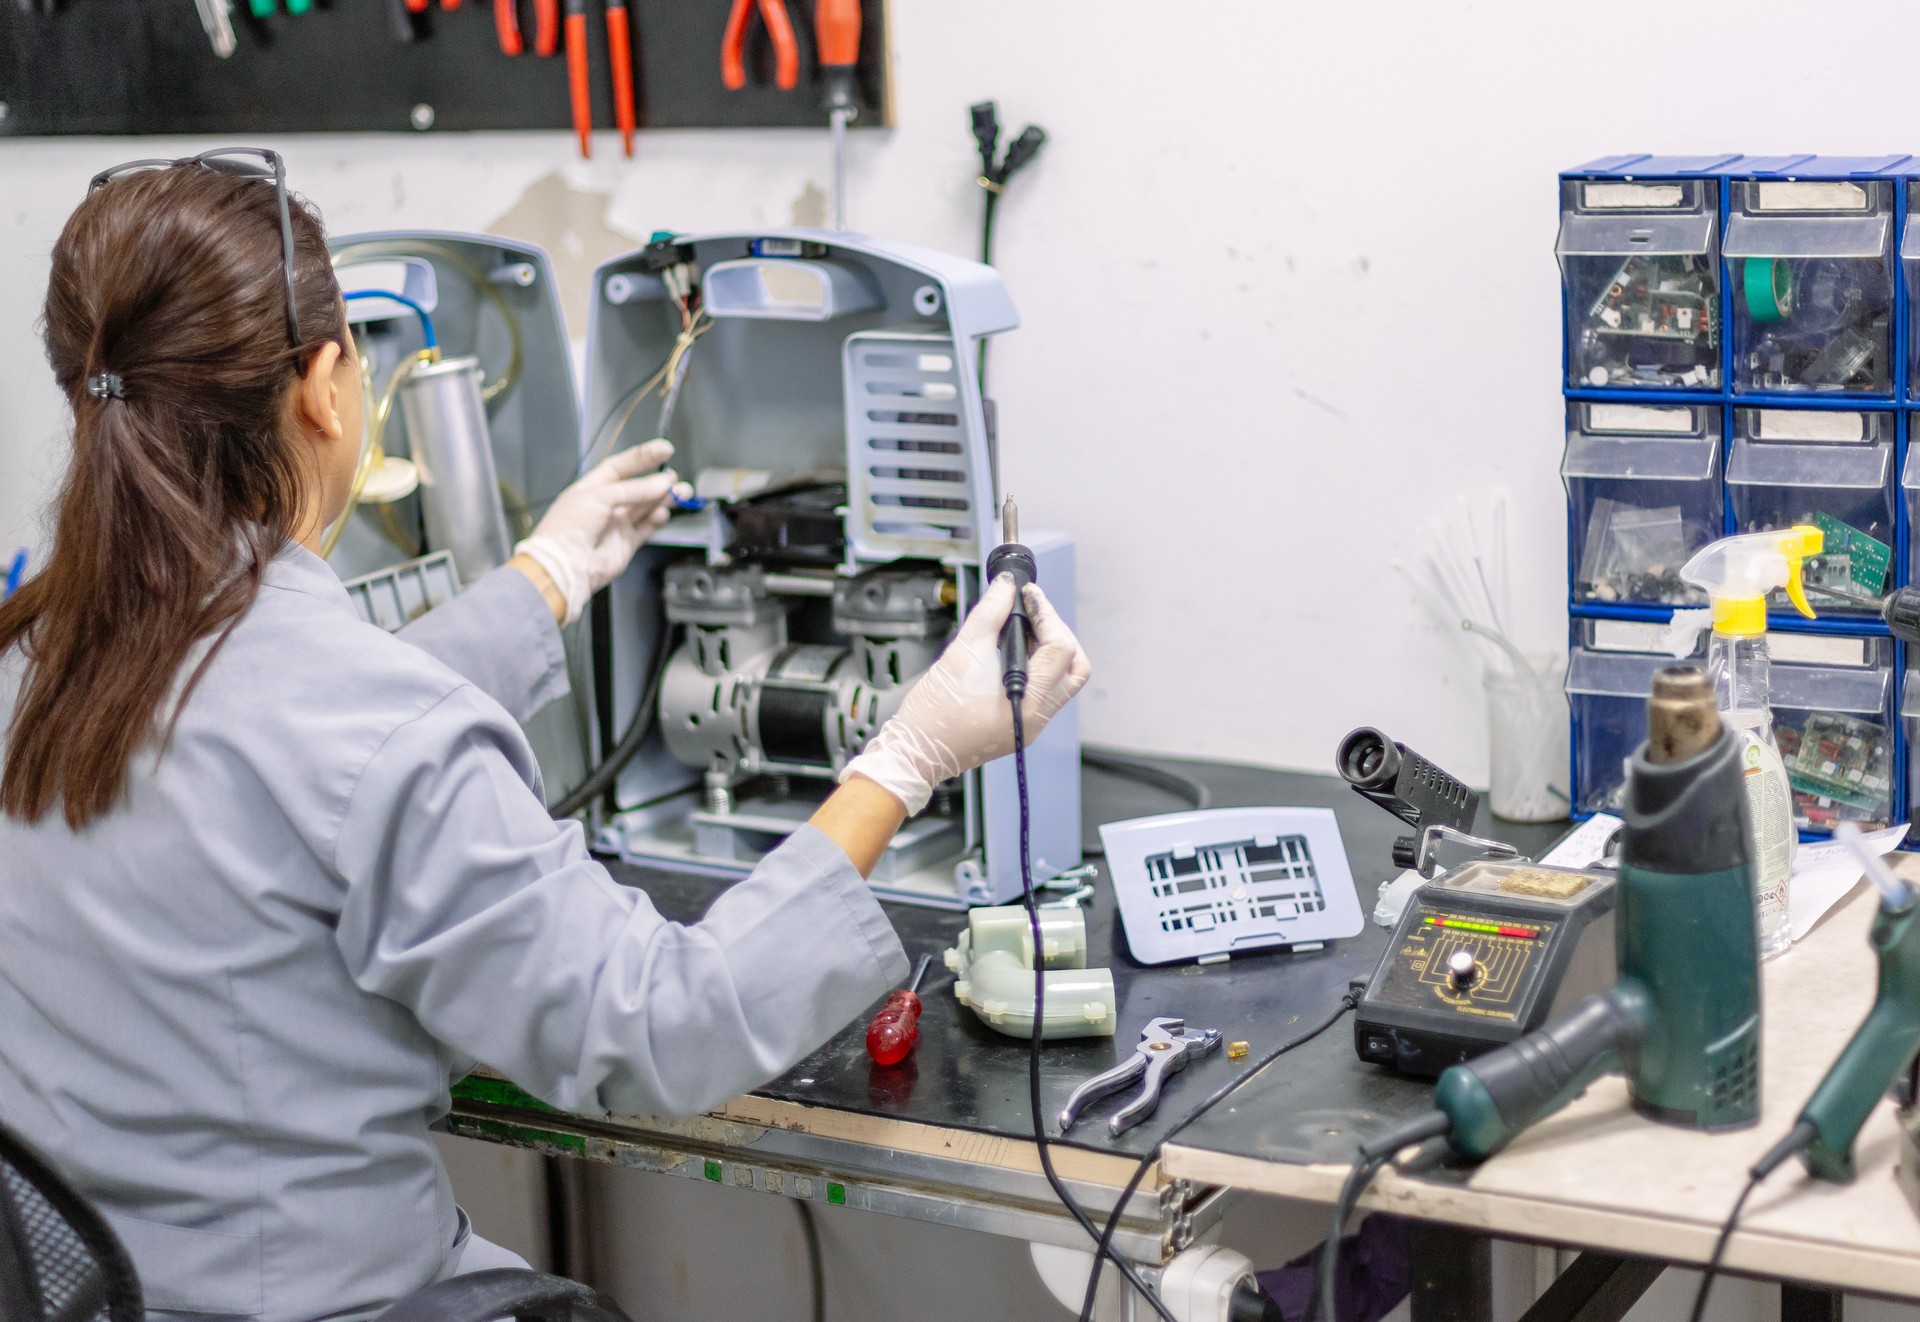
(892, 1032)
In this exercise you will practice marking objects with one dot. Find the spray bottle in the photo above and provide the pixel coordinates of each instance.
(1738, 573)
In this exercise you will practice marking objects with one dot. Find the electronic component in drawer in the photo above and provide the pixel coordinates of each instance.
(1634, 553)
(1841, 768)
(1650, 323)
(1819, 324)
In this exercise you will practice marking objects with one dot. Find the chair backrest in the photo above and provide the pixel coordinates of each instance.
(59, 1259)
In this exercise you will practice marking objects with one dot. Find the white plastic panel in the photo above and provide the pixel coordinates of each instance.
(909, 472)
(1198, 885)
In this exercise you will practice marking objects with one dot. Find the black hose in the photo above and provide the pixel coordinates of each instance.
(601, 778)
(1176, 783)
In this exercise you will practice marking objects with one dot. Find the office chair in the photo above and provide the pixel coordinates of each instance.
(61, 1262)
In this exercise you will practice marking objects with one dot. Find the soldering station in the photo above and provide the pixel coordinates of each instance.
(1641, 982)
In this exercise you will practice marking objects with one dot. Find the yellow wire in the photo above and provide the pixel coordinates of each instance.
(374, 454)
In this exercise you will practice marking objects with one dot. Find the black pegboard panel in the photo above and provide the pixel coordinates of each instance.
(145, 66)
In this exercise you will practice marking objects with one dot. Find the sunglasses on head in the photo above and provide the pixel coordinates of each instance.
(247, 163)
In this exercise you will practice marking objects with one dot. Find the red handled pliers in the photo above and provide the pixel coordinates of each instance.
(620, 43)
(546, 32)
(786, 50)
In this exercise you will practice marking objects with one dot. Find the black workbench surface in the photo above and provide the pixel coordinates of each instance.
(965, 1075)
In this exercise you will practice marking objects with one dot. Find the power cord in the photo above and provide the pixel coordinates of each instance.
(995, 172)
(1016, 689)
(1178, 784)
(811, 1229)
(1105, 1250)
(1797, 1140)
(1373, 1154)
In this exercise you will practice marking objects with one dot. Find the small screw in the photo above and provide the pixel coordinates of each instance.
(421, 117)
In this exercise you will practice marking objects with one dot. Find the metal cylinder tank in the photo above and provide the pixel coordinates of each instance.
(459, 487)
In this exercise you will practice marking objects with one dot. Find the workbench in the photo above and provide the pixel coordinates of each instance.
(946, 1138)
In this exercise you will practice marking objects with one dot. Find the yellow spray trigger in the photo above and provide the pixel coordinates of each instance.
(1796, 544)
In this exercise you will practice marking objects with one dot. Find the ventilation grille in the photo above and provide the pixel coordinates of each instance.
(395, 597)
(908, 459)
(1235, 884)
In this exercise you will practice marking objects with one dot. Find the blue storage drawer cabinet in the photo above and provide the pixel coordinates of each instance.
(1738, 355)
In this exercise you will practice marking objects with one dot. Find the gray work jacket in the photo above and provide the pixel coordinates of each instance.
(231, 1008)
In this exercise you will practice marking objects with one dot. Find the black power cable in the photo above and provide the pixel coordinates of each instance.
(1797, 1140)
(1105, 1250)
(1040, 1139)
(995, 171)
(815, 1266)
(601, 778)
(1373, 1154)
(1176, 783)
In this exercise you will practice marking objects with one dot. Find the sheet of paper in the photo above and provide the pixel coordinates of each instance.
(1582, 847)
(1824, 873)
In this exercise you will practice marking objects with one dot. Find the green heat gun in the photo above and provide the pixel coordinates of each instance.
(1684, 1022)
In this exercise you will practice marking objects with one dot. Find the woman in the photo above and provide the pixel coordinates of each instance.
(273, 877)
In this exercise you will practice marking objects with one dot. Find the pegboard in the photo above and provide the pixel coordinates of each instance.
(146, 67)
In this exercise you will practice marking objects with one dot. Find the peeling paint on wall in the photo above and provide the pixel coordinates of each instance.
(810, 208)
(572, 225)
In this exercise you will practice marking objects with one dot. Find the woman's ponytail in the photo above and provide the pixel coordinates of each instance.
(166, 326)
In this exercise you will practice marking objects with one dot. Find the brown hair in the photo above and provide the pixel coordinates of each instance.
(180, 490)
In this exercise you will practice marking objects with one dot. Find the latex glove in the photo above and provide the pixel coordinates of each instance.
(593, 528)
(957, 717)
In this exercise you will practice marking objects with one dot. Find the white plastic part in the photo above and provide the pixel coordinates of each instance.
(1198, 1285)
(1194, 885)
(786, 289)
(993, 967)
(1393, 897)
(1746, 568)
(1064, 1272)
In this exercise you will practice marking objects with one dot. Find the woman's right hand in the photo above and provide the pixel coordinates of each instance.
(957, 717)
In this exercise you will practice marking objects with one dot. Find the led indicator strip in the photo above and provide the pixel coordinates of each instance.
(1486, 929)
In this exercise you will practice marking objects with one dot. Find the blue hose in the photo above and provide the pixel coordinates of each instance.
(426, 321)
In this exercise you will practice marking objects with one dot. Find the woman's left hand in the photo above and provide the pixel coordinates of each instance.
(593, 528)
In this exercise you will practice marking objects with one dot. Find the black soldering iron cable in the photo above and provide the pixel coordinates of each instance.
(1040, 1140)
(1347, 1002)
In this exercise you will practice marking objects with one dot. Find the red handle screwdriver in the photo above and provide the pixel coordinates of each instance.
(620, 43)
(892, 1032)
(578, 85)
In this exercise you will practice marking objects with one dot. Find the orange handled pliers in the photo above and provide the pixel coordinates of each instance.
(786, 50)
(546, 32)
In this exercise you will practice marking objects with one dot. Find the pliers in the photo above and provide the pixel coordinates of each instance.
(1166, 1047)
(546, 32)
(786, 50)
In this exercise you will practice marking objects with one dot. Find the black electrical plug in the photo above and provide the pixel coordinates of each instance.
(986, 132)
(1025, 147)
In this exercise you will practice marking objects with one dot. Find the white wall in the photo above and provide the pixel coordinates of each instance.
(1287, 279)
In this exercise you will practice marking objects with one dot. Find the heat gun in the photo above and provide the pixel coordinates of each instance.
(1683, 1023)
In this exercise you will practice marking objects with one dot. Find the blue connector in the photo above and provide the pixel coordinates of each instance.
(15, 572)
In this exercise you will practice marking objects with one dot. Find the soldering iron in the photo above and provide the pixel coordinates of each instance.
(1016, 637)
